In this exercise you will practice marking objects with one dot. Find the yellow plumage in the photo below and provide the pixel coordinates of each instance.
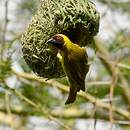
(74, 61)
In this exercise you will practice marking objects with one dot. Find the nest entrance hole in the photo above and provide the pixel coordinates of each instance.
(71, 33)
(77, 34)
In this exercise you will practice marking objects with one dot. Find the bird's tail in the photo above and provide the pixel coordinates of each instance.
(72, 95)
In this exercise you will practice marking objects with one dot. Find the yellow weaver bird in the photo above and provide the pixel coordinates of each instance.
(74, 61)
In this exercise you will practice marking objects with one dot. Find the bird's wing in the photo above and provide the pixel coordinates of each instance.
(84, 63)
(78, 69)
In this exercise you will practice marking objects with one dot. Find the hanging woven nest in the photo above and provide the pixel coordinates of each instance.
(78, 19)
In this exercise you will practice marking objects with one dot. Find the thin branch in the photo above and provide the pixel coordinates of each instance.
(8, 109)
(26, 99)
(68, 113)
(65, 88)
(104, 56)
(121, 65)
(126, 89)
(5, 27)
(98, 83)
(39, 107)
(113, 83)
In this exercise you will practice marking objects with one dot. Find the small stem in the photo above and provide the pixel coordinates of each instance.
(84, 95)
(39, 107)
(5, 28)
(8, 109)
(113, 83)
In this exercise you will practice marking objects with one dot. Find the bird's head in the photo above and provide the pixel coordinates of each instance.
(59, 41)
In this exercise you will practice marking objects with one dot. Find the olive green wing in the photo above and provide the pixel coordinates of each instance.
(78, 69)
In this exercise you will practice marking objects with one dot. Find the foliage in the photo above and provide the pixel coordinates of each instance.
(25, 96)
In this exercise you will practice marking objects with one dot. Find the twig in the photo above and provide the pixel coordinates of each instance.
(68, 113)
(98, 83)
(104, 56)
(121, 65)
(39, 107)
(7, 106)
(113, 83)
(5, 27)
(26, 99)
(122, 122)
(126, 89)
(84, 95)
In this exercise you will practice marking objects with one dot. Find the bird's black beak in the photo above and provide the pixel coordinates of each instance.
(55, 43)
(51, 41)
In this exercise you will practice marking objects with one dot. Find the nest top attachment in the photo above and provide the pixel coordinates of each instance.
(78, 19)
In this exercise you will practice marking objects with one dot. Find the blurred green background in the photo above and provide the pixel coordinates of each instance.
(28, 102)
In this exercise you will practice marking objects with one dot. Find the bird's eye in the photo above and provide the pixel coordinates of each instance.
(58, 39)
